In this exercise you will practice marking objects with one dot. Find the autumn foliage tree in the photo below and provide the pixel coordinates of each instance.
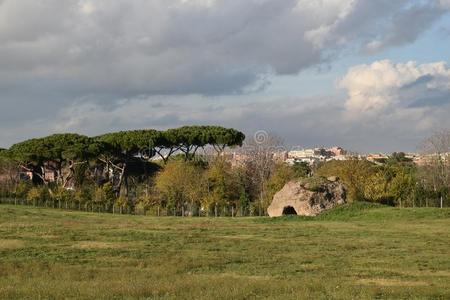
(181, 186)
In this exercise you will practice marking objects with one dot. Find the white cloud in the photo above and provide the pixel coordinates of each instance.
(384, 86)
(196, 46)
(305, 122)
(445, 3)
(87, 7)
(54, 51)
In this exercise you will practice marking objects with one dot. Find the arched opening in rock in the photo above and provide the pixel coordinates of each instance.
(289, 210)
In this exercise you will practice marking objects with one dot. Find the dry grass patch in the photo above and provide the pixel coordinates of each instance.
(391, 282)
(95, 245)
(11, 244)
(238, 237)
(49, 237)
(238, 276)
(417, 273)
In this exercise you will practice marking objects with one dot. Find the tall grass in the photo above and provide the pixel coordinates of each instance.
(359, 251)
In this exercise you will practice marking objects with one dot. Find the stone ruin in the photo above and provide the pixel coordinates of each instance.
(308, 197)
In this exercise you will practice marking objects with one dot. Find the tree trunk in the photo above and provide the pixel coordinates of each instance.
(121, 179)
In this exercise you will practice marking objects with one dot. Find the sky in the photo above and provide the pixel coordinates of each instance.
(367, 75)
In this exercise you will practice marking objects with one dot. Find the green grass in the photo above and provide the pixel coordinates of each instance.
(358, 251)
(314, 184)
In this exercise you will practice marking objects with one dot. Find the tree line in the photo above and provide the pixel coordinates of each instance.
(398, 180)
(185, 172)
(75, 166)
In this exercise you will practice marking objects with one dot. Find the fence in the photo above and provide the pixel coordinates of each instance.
(158, 211)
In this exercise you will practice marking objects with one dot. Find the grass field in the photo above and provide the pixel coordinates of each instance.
(357, 251)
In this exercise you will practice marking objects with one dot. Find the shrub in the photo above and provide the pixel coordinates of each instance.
(37, 194)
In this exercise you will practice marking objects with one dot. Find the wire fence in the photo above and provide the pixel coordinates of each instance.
(156, 211)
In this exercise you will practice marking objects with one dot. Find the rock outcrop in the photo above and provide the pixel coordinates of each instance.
(307, 197)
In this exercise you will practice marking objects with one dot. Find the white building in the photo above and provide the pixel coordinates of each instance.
(301, 153)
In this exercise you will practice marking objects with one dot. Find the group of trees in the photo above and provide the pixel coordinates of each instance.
(392, 183)
(63, 164)
(396, 181)
(147, 171)
(164, 173)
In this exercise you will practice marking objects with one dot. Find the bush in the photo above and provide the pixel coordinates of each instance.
(22, 189)
(83, 195)
(37, 195)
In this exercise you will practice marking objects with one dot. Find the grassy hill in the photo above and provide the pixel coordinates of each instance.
(361, 251)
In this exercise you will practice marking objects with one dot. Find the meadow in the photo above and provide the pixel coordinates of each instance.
(357, 251)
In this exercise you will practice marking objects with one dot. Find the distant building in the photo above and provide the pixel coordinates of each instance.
(309, 160)
(411, 156)
(376, 157)
(312, 156)
(301, 153)
(280, 156)
(309, 156)
(337, 151)
(50, 171)
(340, 157)
(422, 160)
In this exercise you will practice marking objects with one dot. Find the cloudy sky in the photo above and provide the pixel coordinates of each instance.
(370, 75)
